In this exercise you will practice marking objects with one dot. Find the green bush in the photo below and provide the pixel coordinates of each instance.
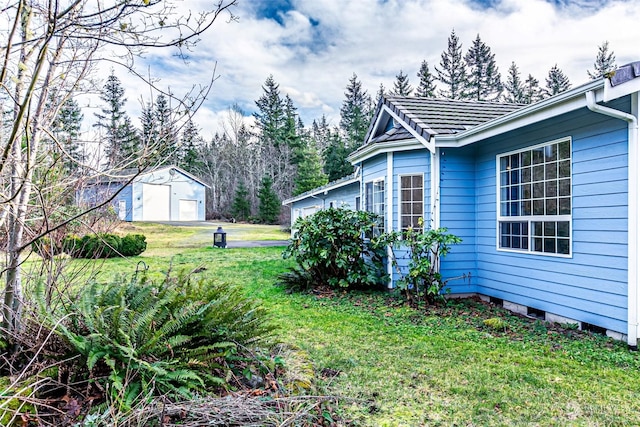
(330, 248)
(104, 245)
(133, 244)
(129, 340)
(422, 279)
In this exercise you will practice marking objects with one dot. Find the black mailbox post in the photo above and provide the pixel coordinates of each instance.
(220, 238)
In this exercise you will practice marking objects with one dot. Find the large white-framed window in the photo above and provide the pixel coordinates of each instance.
(534, 199)
(374, 202)
(411, 201)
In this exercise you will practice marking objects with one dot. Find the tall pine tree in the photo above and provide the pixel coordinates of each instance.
(120, 136)
(336, 165)
(355, 113)
(309, 174)
(271, 119)
(483, 83)
(66, 131)
(452, 72)
(269, 205)
(190, 143)
(401, 86)
(167, 143)
(605, 62)
(514, 87)
(532, 92)
(241, 207)
(557, 81)
(426, 87)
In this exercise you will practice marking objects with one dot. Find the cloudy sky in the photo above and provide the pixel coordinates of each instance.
(313, 47)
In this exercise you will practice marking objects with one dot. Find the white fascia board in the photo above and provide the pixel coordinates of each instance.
(320, 190)
(427, 144)
(551, 107)
(383, 147)
(618, 91)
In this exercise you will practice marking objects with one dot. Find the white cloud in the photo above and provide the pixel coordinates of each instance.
(321, 43)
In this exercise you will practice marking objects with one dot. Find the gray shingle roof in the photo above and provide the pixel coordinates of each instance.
(436, 116)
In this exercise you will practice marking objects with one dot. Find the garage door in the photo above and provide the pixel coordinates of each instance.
(156, 202)
(188, 210)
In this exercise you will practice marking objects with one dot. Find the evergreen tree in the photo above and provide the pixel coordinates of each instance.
(321, 133)
(531, 90)
(401, 86)
(452, 72)
(309, 174)
(605, 62)
(292, 129)
(271, 117)
(120, 135)
(426, 87)
(167, 136)
(336, 165)
(381, 92)
(241, 208)
(557, 82)
(191, 140)
(66, 131)
(269, 206)
(149, 132)
(514, 87)
(483, 79)
(355, 113)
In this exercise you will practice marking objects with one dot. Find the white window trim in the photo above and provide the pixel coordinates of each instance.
(364, 207)
(399, 192)
(532, 218)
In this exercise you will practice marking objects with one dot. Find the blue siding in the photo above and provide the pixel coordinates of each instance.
(343, 196)
(412, 162)
(458, 215)
(591, 286)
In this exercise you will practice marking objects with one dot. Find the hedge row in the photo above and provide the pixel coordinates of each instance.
(94, 246)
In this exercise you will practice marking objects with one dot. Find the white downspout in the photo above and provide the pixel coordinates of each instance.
(633, 257)
(388, 215)
(435, 188)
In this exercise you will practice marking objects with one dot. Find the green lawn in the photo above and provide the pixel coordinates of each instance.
(398, 367)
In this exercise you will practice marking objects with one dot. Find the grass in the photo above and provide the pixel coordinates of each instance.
(396, 366)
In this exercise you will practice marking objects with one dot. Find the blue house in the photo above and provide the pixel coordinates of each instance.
(544, 196)
(165, 194)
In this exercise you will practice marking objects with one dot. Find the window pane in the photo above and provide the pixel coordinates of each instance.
(525, 175)
(417, 181)
(515, 161)
(526, 207)
(406, 194)
(505, 242)
(526, 191)
(549, 228)
(564, 150)
(417, 194)
(565, 206)
(537, 244)
(504, 163)
(525, 158)
(405, 181)
(417, 208)
(406, 208)
(504, 194)
(515, 192)
(525, 242)
(538, 173)
(551, 189)
(515, 228)
(504, 178)
(505, 228)
(504, 210)
(514, 209)
(537, 229)
(515, 176)
(538, 190)
(538, 155)
(551, 171)
(515, 242)
(564, 169)
(551, 207)
(563, 229)
(550, 245)
(563, 246)
(564, 187)
(551, 152)
(538, 207)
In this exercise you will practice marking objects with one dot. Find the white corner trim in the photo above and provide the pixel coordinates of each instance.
(389, 214)
(633, 255)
